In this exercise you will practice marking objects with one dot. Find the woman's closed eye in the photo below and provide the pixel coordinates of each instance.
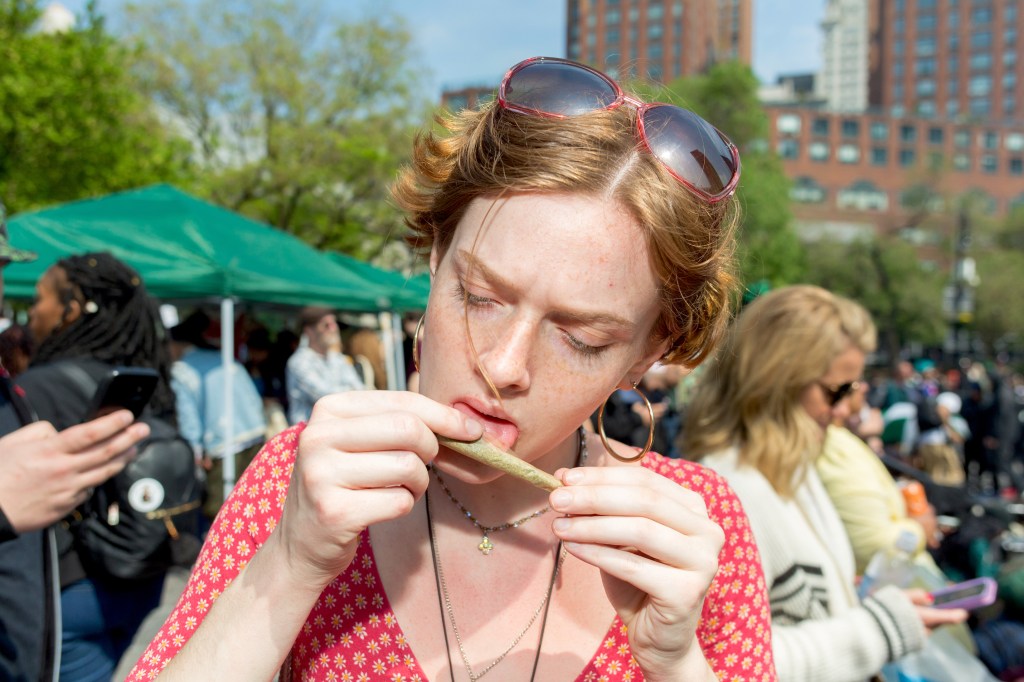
(475, 300)
(581, 347)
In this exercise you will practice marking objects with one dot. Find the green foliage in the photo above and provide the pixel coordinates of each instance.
(73, 123)
(885, 276)
(300, 120)
(727, 97)
(998, 250)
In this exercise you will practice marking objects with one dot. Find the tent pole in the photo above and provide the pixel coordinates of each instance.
(227, 358)
(388, 341)
(396, 335)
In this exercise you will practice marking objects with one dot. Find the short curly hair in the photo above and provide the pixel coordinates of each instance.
(492, 151)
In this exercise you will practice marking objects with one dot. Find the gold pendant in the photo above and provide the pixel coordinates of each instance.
(485, 546)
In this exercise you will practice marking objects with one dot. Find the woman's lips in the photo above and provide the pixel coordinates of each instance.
(501, 432)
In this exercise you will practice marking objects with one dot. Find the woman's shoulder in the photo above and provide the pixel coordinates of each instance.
(718, 494)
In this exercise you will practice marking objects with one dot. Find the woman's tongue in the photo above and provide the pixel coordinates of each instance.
(498, 431)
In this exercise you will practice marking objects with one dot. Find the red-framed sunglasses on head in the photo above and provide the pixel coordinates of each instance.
(691, 149)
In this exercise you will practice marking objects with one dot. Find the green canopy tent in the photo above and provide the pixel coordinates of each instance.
(187, 249)
(406, 293)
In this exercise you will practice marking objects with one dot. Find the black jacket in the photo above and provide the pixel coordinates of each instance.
(28, 579)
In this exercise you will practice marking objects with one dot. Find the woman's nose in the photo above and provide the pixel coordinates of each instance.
(506, 357)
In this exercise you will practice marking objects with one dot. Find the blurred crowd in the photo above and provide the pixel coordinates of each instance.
(947, 434)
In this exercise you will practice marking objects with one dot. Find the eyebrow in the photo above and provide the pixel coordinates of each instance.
(468, 260)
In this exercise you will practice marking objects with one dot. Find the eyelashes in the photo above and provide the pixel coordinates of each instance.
(582, 349)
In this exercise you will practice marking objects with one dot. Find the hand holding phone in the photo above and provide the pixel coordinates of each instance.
(970, 594)
(123, 388)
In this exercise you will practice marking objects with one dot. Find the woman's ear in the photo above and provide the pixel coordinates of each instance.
(435, 260)
(72, 311)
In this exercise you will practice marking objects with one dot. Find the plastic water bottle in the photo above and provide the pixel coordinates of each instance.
(892, 566)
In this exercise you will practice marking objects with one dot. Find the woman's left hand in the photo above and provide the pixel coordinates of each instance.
(658, 553)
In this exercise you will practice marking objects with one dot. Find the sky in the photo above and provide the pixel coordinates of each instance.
(463, 42)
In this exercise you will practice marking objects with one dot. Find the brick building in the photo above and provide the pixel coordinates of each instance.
(942, 117)
(854, 173)
(658, 39)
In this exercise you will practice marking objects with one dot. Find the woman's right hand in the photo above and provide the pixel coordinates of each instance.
(930, 616)
(361, 460)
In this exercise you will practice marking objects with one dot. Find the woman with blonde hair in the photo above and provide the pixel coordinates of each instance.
(759, 417)
(575, 237)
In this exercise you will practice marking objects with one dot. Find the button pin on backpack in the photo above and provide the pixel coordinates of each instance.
(146, 495)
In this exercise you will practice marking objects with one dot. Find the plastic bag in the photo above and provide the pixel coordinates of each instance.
(943, 659)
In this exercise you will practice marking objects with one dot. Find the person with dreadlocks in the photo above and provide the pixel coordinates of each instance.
(92, 311)
(44, 474)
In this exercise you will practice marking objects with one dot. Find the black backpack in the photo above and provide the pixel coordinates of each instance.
(143, 521)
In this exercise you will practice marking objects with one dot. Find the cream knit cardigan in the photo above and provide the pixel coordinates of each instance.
(820, 633)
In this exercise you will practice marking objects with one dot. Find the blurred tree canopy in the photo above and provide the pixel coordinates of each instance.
(299, 119)
(74, 121)
(885, 275)
(727, 97)
(999, 255)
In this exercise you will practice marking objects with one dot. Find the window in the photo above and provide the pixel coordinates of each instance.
(789, 149)
(988, 163)
(924, 66)
(820, 127)
(981, 61)
(961, 162)
(952, 108)
(1010, 36)
(654, 53)
(879, 130)
(926, 23)
(907, 157)
(848, 153)
(981, 40)
(1009, 57)
(851, 128)
(613, 36)
(925, 46)
(979, 85)
(788, 123)
(879, 156)
(613, 16)
(935, 135)
(962, 138)
(988, 140)
(1014, 141)
(925, 87)
(807, 190)
(862, 196)
(908, 133)
(818, 151)
(655, 11)
(654, 31)
(1017, 166)
(926, 108)
(1009, 81)
(981, 15)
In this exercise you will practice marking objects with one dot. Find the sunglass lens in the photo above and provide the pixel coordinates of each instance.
(550, 87)
(690, 147)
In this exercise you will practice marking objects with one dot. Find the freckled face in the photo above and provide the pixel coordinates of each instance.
(559, 299)
(848, 366)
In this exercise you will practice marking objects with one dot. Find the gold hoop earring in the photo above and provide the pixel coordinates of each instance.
(416, 343)
(604, 438)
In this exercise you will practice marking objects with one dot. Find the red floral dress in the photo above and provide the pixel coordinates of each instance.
(352, 635)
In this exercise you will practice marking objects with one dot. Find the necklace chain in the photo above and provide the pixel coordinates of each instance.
(486, 546)
(442, 584)
(451, 611)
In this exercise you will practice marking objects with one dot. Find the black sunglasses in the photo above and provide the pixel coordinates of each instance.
(834, 395)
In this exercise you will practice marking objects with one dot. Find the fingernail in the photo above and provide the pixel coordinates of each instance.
(126, 417)
(561, 498)
(473, 426)
(561, 524)
(573, 476)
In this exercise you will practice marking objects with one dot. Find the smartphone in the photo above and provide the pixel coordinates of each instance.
(123, 388)
(970, 594)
